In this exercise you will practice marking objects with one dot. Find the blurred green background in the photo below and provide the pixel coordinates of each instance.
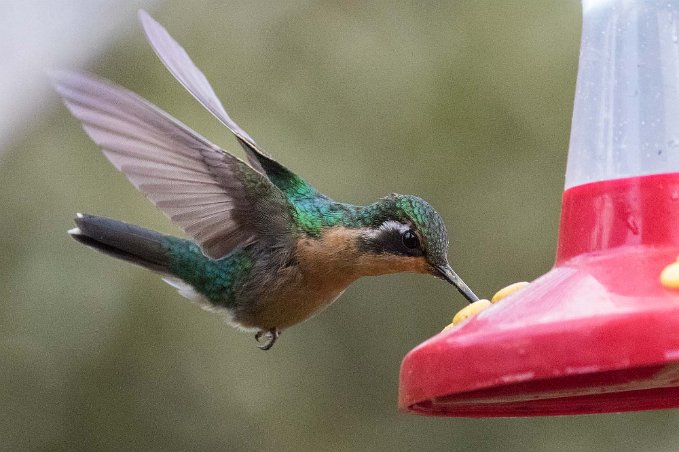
(465, 103)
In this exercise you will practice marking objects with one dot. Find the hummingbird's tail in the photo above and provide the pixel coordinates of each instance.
(180, 261)
(123, 241)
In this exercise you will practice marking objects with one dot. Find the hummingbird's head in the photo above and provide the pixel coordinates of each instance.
(407, 233)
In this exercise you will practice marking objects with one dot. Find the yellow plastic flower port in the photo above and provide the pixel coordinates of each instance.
(507, 291)
(470, 310)
(478, 306)
(669, 277)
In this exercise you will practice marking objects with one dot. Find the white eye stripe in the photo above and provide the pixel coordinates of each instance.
(393, 225)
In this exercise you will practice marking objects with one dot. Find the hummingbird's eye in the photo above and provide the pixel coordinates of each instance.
(410, 240)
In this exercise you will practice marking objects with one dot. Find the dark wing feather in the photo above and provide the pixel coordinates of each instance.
(216, 198)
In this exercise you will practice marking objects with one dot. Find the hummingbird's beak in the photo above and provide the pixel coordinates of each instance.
(446, 272)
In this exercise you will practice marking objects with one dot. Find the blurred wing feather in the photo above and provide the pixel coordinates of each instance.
(214, 197)
(178, 62)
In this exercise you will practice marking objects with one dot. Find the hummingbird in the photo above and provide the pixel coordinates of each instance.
(265, 248)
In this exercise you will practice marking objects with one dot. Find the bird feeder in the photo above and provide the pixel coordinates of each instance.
(598, 333)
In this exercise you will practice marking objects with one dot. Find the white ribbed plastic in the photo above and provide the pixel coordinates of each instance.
(626, 114)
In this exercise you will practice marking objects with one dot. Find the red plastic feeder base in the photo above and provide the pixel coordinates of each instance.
(596, 334)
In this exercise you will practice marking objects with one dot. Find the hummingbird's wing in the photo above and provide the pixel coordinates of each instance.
(178, 62)
(214, 197)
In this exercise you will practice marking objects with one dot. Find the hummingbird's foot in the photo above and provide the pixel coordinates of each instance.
(272, 335)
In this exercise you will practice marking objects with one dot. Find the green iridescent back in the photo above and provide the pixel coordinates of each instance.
(312, 211)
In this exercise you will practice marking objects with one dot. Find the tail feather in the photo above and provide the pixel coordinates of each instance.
(123, 241)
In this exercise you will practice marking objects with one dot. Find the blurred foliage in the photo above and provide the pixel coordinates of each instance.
(465, 103)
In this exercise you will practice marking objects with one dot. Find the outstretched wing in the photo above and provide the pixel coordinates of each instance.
(178, 62)
(214, 197)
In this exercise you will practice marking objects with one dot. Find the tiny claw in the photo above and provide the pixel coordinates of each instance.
(272, 334)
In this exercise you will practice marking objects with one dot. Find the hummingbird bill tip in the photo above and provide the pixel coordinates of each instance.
(447, 273)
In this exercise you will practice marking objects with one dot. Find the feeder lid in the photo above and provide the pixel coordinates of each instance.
(626, 112)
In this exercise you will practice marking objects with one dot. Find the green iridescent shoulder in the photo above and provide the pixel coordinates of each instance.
(290, 184)
(311, 210)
